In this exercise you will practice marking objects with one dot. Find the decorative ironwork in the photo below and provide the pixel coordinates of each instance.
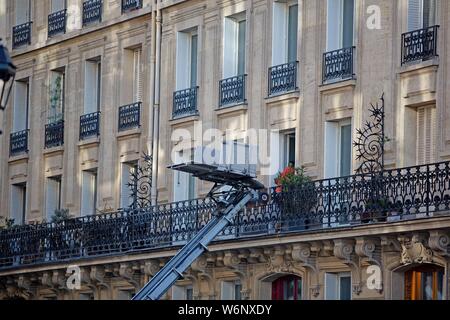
(130, 116)
(54, 134)
(141, 183)
(129, 5)
(232, 90)
(57, 23)
(370, 142)
(283, 78)
(185, 102)
(409, 193)
(92, 11)
(338, 64)
(18, 142)
(90, 125)
(419, 44)
(22, 35)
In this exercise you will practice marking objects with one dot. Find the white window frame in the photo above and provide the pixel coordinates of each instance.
(92, 85)
(184, 59)
(338, 10)
(21, 106)
(330, 158)
(230, 64)
(337, 289)
(280, 31)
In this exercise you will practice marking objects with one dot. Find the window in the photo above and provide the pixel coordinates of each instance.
(21, 105)
(338, 286)
(89, 193)
(424, 283)
(338, 146)
(138, 73)
(231, 290)
(92, 86)
(287, 288)
(184, 183)
(58, 5)
(18, 203)
(284, 32)
(127, 169)
(187, 58)
(23, 10)
(234, 45)
(421, 14)
(57, 88)
(340, 24)
(86, 296)
(52, 196)
(125, 295)
(426, 135)
(182, 293)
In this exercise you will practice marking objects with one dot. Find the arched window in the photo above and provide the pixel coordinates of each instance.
(287, 288)
(424, 283)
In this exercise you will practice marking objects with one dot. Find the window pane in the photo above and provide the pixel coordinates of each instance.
(241, 47)
(349, 7)
(345, 288)
(346, 150)
(194, 44)
(427, 286)
(292, 33)
(429, 13)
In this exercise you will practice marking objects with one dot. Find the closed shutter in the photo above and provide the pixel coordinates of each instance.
(426, 135)
(137, 85)
(415, 15)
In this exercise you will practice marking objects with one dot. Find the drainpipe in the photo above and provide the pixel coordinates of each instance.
(149, 142)
(156, 106)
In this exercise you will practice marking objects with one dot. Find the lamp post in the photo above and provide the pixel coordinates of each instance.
(7, 73)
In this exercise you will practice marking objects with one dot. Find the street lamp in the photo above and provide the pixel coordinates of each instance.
(7, 71)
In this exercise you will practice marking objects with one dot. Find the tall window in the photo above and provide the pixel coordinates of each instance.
(58, 5)
(287, 288)
(138, 73)
(338, 286)
(284, 32)
(21, 105)
(127, 169)
(23, 11)
(52, 196)
(184, 183)
(56, 103)
(234, 45)
(92, 86)
(338, 148)
(426, 135)
(424, 283)
(187, 58)
(340, 24)
(18, 203)
(421, 14)
(231, 290)
(89, 193)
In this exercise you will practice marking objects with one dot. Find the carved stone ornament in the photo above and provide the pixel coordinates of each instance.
(414, 250)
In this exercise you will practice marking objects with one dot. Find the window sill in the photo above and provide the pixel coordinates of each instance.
(53, 150)
(418, 65)
(130, 132)
(283, 96)
(337, 85)
(19, 157)
(232, 108)
(184, 119)
(89, 141)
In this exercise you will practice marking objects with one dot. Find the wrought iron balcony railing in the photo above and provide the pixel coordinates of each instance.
(18, 143)
(129, 5)
(54, 134)
(394, 195)
(90, 125)
(283, 78)
(419, 44)
(92, 11)
(130, 116)
(338, 65)
(232, 90)
(185, 102)
(57, 23)
(22, 35)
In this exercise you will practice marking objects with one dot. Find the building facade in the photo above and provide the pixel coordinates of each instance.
(100, 83)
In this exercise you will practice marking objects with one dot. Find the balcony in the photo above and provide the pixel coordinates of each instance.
(185, 103)
(90, 125)
(18, 143)
(419, 45)
(92, 11)
(54, 134)
(130, 5)
(418, 192)
(283, 78)
(130, 116)
(57, 23)
(338, 65)
(232, 91)
(22, 35)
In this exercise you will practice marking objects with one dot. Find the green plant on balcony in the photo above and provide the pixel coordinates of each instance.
(376, 209)
(7, 223)
(61, 215)
(55, 109)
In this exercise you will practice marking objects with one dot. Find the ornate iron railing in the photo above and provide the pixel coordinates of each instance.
(232, 90)
(22, 35)
(185, 102)
(18, 142)
(130, 116)
(129, 5)
(338, 64)
(283, 78)
(92, 11)
(419, 44)
(54, 134)
(393, 195)
(89, 125)
(57, 23)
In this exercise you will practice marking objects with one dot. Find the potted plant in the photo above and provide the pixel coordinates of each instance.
(376, 210)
